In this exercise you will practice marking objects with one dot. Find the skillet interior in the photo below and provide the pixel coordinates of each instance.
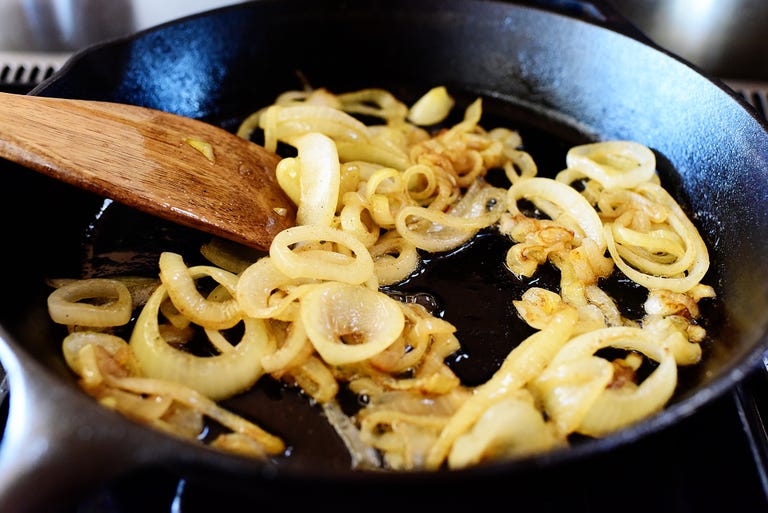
(559, 80)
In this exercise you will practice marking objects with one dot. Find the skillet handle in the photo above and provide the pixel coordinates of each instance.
(58, 443)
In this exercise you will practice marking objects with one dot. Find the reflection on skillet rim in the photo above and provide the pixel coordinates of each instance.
(134, 87)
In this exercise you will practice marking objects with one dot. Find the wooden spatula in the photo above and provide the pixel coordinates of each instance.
(174, 167)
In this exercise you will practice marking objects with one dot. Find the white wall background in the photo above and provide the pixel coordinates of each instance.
(67, 25)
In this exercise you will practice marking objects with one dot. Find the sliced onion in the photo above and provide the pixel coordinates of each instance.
(263, 291)
(349, 323)
(521, 365)
(216, 377)
(111, 304)
(394, 258)
(319, 179)
(565, 199)
(288, 257)
(610, 409)
(180, 283)
(679, 275)
(206, 405)
(355, 218)
(315, 379)
(622, 164)
(431, 108)
(295, 347)
(512, 427)
(296, 120)
(77, 340)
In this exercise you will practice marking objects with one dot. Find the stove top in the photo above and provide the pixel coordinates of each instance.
(715, 460)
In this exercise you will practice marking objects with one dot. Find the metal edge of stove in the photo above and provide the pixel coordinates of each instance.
(26, 70)
(751, 395)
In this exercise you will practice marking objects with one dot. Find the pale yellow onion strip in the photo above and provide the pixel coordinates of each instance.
(431, 108)
(420, 182)
(409, 350)
(656, 264)
(192, 398)
(480, 200)
(293, 347)
(249, 124)
(370, 152)
(660, 264)
(319, 178)
(659, 252)
(614, 409)
(446, 193)
(315, 379)
(491, 151)
(351, 176)
(521, 365)
(615, 203)
(510, 139)
(436, 231)
(675, 284)
(295, 120)
(403, 426)
(217, 377)
(402, 436)
(567, 390)
(396, 136)
(173, 316)
(263, 291)
(385, 193)
(288, 174)
(467, 176)
(565, 198)
(394, 258)
(113, 344)
(355, 218)
(66, 304)
(216, 337)
(615, 164)
(519, 165)
(180, 282)
(99, 357)
(658, 240)
(373, 102)
(568, 176)
(268, 123)
(512, 427)
(91, 376)
(296, 264)
(537, 305)
(673, 329)
(472, 115)
(690, 236)
(229, 255)
(350, 323)
(320, 96)
(149, 409)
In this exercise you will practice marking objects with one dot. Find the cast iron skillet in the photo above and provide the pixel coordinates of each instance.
(564, 74)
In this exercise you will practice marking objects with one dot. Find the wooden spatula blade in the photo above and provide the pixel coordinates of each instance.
(177, 168)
